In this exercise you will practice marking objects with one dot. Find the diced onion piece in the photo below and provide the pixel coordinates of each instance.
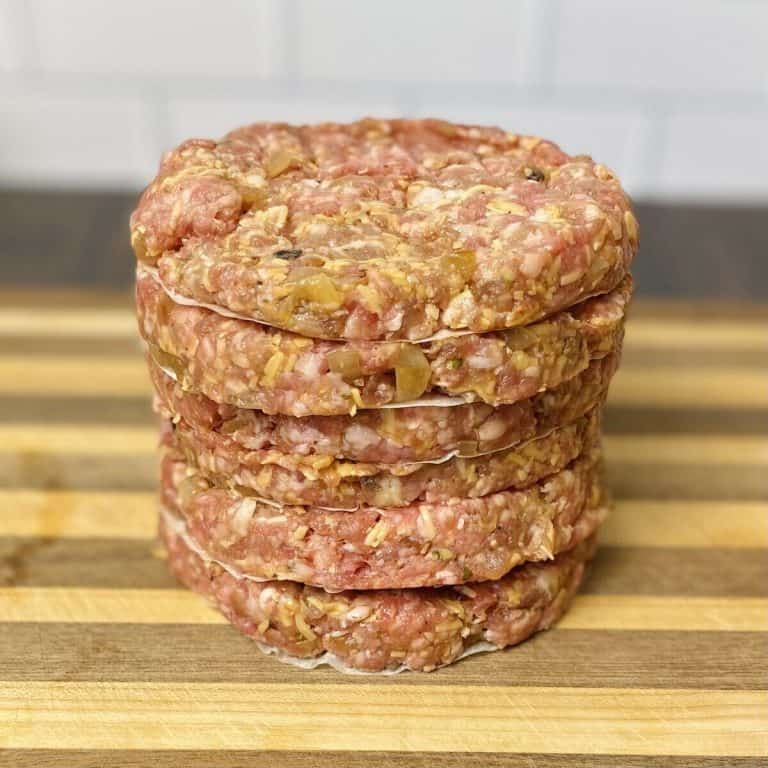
(519, 338)
(139, 245)
(347, 363)
(168, 361)
(319, 289)
(412, 373)
(466, 447)
(278, 162)
(463, 263)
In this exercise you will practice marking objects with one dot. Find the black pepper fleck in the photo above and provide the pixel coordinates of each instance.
(534, 174)
(288, 254)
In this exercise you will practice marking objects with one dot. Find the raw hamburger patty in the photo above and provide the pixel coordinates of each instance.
(420, 545)
(420, 629)
(384, 229)
(340, 484)
(391, 435)
(251, 366)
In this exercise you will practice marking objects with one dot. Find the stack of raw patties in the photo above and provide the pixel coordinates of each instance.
(381, 351)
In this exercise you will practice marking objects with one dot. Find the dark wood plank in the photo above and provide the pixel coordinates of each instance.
(649, 480)
(40, 294)
(216, 653)
(71, 345)
(707, 572)
(66, 238)
(50, 470)
(650, 356)
(650, 420)
(633, 356)
(46, 758)
(684, 247)
(617, 419)
(691, 250)
(131, 411)
(104, 563)
(129, 563)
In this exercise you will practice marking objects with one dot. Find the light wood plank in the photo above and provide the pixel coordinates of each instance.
(52, 375)
(45, 321)
(158, 606)
(58, 323)
(714, 450)
(133, 515)
(124, 440)
(118, 375)
(214, 653)
(114, 606)
(382, 716)
(78, 439)
(78, 514)
(672, 523)
(702, 334)
(652, 612)
(692, 387)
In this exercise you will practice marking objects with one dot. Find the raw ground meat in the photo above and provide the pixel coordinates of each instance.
(249, 365)
(384, 229)
(340, 484)
(421, 629)
(424, 544)
(391, 435)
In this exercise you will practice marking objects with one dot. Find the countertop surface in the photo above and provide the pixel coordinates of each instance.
(105, 661)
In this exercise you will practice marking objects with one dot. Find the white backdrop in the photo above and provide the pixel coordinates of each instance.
(671, 93)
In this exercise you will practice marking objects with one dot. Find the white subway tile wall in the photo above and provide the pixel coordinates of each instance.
(10, 43)
(673, 94)
(663, 45)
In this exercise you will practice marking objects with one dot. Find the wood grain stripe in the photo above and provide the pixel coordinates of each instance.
(97, 439)
(120, 457)
(114, 318)
(39, 469)
(119, 439)
(635, 356)
(692, 387)
(685, 481)
(116, 375)
(382, 717)
(93, 322)
(121, 563)
(176, 606)
(217, 653)
(131, 346)
(715, 450)
(78, 514)
(674, 523)
(702, 334)
(132, 515)
(639, 419)
(676, 571)
(85, 411)
(135, 411)
(141, 758)
(69, 375)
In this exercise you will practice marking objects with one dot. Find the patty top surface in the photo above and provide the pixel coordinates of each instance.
(383, 229)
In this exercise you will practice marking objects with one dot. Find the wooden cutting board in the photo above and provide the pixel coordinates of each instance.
(104, 661)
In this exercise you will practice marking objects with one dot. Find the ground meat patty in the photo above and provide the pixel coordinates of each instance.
(424, 544)
(391, 435)
(251, 366)
(384, 229)
(340, 484)
(419, 629)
